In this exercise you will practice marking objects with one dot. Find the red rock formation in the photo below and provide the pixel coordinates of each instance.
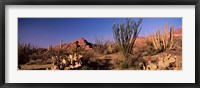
(80, 43)
(178, 32)
(140, 41)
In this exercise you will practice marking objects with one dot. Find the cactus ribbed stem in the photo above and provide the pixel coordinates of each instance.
(161, 41)
(60, 44)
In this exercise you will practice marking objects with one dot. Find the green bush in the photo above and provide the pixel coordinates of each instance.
(125, 64)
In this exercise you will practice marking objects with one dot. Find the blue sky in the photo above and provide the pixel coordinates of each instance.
(45, 31)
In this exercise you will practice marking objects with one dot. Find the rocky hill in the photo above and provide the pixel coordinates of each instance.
(178, 32)
(81, 43)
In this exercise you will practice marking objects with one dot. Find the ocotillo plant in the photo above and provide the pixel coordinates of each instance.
(125, 35)
(161, 41)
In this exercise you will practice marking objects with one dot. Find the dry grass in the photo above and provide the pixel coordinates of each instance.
(35, 67)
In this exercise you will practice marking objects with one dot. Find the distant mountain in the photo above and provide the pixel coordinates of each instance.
(82, 43)
(178, 32)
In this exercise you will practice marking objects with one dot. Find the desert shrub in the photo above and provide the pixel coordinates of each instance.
(124, 65)
(24, 50)
(62, 52)
(117, 62)
(152, 51)
(108, 57)
(49, 61)
(101, 45)
(113, 48)
(127, 63)
(178, 42)
(149, 43)
(80, 49)
(22, 58)
(69, 52)
(33, 56)
(106, 52)
(125, 35)
(147, 50)
(87, 54)
(138, 65)
(86, 68)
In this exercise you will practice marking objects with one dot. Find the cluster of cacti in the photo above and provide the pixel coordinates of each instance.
(166, 62)
(26, 47)
(50, 48)
(24, 50)
(66, 62)
(125, 35)
(162, 41)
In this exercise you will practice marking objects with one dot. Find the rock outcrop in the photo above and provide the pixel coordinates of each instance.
(80, 43)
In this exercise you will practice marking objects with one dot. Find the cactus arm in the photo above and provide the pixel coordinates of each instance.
(171, 36)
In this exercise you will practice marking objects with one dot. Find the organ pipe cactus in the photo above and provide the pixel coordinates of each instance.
(60, 44)
(164, 40)
(171, 37)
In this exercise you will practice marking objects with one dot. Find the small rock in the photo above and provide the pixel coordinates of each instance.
(172, 59)
(152, 66)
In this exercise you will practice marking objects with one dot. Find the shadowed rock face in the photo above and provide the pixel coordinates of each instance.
(82, 43)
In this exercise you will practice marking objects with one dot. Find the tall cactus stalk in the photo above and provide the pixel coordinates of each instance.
(50, 48)
(156, 40)
(161, 41)
(60, 44)
(171, 37)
